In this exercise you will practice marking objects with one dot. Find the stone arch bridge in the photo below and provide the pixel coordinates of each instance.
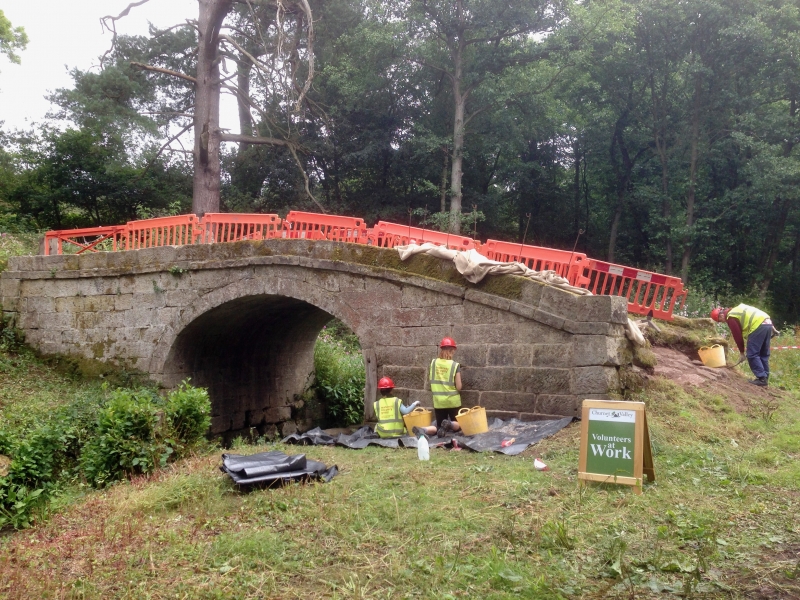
(242, 319)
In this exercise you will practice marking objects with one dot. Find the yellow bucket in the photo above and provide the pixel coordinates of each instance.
(472, 420)
(419, 417)
(713, 356)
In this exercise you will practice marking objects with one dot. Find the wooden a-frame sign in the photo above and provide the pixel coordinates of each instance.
(615, 444)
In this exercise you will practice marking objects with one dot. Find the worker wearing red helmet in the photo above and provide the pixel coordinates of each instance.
(390, 411)
(444, 375)
(754, 327)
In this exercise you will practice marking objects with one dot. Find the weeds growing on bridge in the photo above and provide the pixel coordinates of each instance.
(339, 374)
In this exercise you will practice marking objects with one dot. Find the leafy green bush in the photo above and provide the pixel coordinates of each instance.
(188, 410)
(339, 374)
(126, 439)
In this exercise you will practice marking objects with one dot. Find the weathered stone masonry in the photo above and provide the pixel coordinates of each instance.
(242, 319)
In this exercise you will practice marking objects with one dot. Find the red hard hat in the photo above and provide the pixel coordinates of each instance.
(447, 343)
(385, 383)
(718, 314)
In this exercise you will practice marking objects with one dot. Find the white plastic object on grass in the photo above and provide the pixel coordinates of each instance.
(539, 465)
(423, 449)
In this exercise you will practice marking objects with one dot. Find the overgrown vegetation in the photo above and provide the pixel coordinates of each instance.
(57, 432)
(339, 374)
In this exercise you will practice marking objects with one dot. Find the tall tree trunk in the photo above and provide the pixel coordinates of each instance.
(460, 104)
(612, 241)
(576, 184)
(774, 245)
(207, 138)
(690, 196)
(443, 182)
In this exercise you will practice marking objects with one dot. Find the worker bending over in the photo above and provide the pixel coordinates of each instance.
(390, 411)
(754, 327)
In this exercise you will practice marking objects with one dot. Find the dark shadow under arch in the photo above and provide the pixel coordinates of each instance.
(254, 354)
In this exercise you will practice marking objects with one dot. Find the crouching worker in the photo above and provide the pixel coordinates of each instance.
(753, 327)
(444, 375)
(390, 411)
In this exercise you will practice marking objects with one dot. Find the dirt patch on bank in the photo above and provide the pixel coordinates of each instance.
(743, 396)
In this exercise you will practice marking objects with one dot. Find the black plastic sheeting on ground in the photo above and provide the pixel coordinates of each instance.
(524, 432)
(270, 468)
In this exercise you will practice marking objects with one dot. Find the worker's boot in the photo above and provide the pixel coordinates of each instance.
(760, 381)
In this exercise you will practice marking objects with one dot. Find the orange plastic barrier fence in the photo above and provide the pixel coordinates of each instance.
(88, 239)
(645, 291)
(389, 235)
(573, 266)
(313, 226)
(163, 231)
(232, 227)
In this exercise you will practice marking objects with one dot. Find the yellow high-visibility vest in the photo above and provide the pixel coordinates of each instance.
(390, 421)
(749, 318)
(442, 376)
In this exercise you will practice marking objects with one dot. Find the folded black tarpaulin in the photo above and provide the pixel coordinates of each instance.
(266, 468)
(524, 432)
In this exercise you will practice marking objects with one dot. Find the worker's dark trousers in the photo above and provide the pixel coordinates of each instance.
(758, 350)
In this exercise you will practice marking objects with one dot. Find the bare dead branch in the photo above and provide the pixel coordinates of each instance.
(145, 67)
(249, 139)
(110, 22)
(310, 53)
(152, 161)
(305, 179)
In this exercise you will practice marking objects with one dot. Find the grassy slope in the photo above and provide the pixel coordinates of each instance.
(720, 521)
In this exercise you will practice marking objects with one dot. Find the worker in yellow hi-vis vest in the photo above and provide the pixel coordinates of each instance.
(390, 411)
(754, 327)
(444, 375)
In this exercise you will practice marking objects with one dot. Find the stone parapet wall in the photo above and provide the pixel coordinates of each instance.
(242, 318)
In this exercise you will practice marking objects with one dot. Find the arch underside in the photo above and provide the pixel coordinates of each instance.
(254, 354)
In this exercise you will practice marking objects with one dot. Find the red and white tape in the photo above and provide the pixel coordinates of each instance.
(785, 348)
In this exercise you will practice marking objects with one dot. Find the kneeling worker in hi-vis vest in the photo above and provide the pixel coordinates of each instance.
(753, 327)
(390, 411)
(444, 375)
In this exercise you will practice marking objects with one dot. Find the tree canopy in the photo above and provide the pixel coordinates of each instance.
(656, 134)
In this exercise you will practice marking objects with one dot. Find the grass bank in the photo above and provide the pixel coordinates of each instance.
(720, 522)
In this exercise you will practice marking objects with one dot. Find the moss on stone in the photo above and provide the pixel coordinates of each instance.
(507, 286)
(644, 357)
(88, 368)
(686, 335)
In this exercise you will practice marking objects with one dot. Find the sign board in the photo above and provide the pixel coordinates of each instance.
(615, 444)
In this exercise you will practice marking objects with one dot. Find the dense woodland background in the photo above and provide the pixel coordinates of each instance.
(665, 130)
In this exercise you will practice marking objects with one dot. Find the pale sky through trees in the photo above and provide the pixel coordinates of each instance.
(69, 33)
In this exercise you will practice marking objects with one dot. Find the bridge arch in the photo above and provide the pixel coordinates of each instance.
(251, 343)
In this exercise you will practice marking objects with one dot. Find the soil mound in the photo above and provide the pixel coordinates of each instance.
(743, 396)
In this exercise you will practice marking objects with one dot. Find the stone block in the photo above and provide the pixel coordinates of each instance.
(595, 350)
(288, 428)
(609, 309)
(478, 313)
(505, 415)
(276, 414)
(558, 404)
(404, 377)
(594, 380)
(469, 398)
(551, 355)
(427, 316)
(41, 304)
(99, 303)
(539, 417)
(509, 355)
(542, 380)
(220, 424)
(424, 336)
(508, 401)
(9, 287)
(549, 319)
(490, 378)
(532, 292)
(468, 355)
(559, 302)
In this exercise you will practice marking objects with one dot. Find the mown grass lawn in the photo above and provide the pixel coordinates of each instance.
(721, 520)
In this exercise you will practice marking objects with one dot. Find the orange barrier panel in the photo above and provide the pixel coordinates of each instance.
(313, 226)
(232, 227)
(163, 231)
(389, 235)
(645, 291)
(85, 239)
(573, 266)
